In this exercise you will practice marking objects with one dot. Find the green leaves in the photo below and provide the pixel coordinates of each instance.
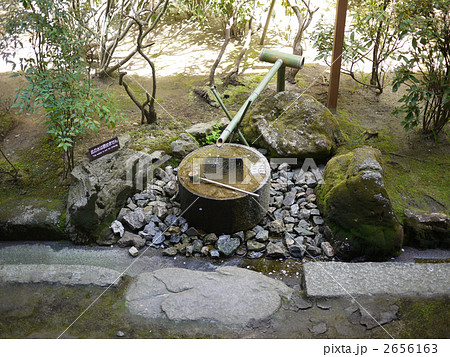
(427, 95)
(58, 74)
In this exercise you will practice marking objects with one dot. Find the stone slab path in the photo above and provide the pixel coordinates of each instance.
(71, 275)
(229, 295)
(332, 279)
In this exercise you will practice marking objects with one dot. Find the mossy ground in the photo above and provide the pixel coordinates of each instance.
(40, 177)
(46, 311)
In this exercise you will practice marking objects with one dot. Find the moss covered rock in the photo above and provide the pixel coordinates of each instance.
(293, 125)
(426, 230)
(32, 219)
(357, 207)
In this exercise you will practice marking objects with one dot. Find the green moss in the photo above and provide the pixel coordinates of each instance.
(40, 171)
(419, 184)
(426, 318)
(6, 124)
(358, 208)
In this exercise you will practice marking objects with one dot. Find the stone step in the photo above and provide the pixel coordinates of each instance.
(70, 275)
(336, 279)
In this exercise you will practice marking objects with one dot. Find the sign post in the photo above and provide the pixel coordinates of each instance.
(103, 148)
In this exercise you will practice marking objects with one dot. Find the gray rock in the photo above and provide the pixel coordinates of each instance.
(294, 210)
(319, 328)
(249, 235)
(327, 249)
(396, 279)
(183, 146)
(241, 251)
(240, 235)
(284, 167)
(192, 232)
(297, 302)
(133, 251)
(132, 206)
(135, 219)
(277, 227)
(289, 227)
(304, 213)
(315, 212)
(377, 318)
(129, 239)
(255, 255)
(117, 228)
(197, 246)
(201, 130)
(214, 253)
(227, 245)
(120, 334)
(289, 198)
(255, 246)
(257, 229)
(426, 229)
(229, 295)
(143, 196)
(262, 236)
(304, 224)
(158, 238)
(289, 219)
(351, 194)
(142, 203)
(171, 220)
(101, 187)
(305, 130)
(161, 174)
(276, 250)
(124, 211)
(175, 238)
(71, 275)
(304, 232)
(189, 250)
(205, 250)
(210, 239)
(313, 250)
(323, 305)
(297, 250)
(171, 188)
(318, 220)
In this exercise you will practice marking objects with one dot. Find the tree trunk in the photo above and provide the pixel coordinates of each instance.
(297, 45)
(303, 24)
(248, 38)
(221, 53)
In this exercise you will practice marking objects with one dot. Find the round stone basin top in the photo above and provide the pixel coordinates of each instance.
(235, 165)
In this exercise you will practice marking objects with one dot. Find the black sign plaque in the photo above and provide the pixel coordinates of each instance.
(103, 148)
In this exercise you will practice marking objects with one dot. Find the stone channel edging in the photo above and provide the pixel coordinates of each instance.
(70, 275)
(335, 279)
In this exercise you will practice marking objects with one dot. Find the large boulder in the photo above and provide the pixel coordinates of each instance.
(357, 207)
(32, 219)
(426, 230)
(292, 125)
(100, 188)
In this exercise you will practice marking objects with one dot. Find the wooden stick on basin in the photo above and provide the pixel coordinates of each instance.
(194, 176)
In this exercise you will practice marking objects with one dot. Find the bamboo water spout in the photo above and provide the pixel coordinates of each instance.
(280, 61)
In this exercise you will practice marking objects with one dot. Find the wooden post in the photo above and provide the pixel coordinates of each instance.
(338, 43)
(266, 26)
